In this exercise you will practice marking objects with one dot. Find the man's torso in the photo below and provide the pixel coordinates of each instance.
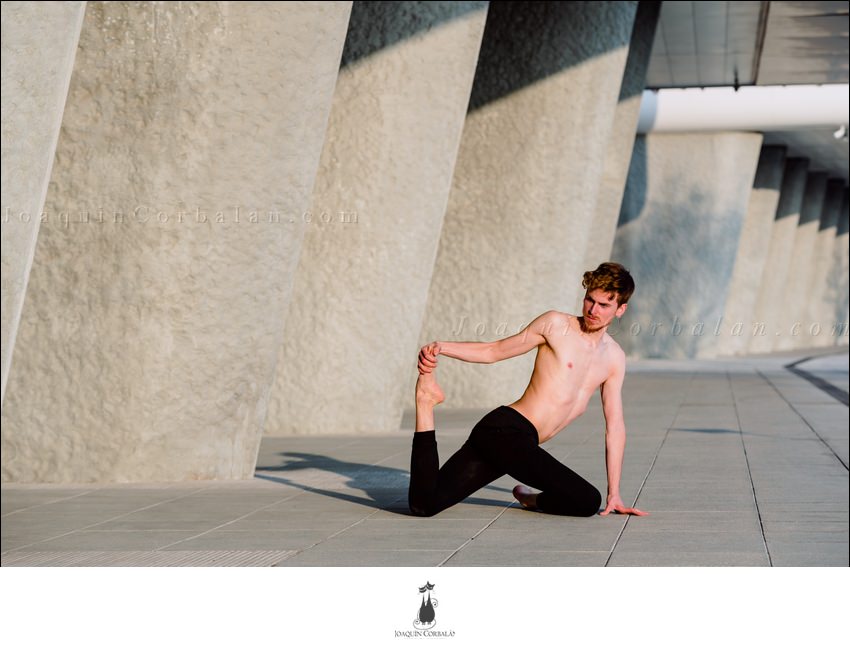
(567, 370)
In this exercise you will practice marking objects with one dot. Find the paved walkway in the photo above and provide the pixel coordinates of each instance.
(740, 462)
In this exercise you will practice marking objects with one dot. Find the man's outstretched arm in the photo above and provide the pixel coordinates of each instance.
(491, 352)
(615, 437)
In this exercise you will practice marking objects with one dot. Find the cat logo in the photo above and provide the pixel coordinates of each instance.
(426, 618)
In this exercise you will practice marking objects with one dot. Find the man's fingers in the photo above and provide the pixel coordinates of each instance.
(425, 366)
(618, 508)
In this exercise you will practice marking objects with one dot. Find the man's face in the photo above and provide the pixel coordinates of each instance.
(599, 309)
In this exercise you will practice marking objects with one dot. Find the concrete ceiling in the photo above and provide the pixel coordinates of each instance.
(701, 44)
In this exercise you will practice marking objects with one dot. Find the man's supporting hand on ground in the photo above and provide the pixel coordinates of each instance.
(615, 504)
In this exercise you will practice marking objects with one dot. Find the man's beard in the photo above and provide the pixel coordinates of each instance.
(592, 327)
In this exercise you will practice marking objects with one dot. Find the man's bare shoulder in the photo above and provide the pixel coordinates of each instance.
(563, 318)
(559, 315)
(615, 353)
(557, 322)
(614, 345)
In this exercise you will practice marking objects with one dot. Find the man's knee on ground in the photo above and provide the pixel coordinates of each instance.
(590, 504)
(422, 511)
(579, 503)
(422, 507)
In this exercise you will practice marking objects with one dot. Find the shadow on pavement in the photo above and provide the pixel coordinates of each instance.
(383, 486)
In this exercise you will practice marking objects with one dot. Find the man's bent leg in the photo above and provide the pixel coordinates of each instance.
(433, 489)
(563, 491)
(513, 447)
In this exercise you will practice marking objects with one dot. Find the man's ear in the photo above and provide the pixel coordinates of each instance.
(621, 310)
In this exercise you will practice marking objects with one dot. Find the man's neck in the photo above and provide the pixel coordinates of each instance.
(592, 336)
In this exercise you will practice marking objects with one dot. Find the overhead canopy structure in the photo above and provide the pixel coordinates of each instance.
(756, 44)
(809, 119)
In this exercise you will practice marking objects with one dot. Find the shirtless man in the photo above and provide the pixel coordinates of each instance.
(575, 355)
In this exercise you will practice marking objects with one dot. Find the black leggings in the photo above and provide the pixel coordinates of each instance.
(503, 442)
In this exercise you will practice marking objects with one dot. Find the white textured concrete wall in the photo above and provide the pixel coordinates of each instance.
(775, 275)
(147, 346)
(351, 336)
(678, 234)
(793, 321)
(622, 139)
(526, 183)
(752, 253)
(818, 309)
(39, 41)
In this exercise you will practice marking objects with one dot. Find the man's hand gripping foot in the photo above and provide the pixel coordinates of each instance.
(428, 391)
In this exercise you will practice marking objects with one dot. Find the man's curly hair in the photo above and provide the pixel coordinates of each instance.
(612, 278)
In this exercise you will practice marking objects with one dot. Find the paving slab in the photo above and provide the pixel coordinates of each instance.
(741, 462)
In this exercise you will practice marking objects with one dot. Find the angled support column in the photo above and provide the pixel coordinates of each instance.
(622, 139)
(794, 324)
(39, 44)
(526, 182)
(751, 258)
(679, 231)
(819, 311)
(838, 279)
(161, 280)
(351, 336)
(775, 275)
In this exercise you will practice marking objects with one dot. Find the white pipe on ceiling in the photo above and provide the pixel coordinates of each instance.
(755, 108)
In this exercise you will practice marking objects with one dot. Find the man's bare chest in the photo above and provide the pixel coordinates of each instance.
(573, 366)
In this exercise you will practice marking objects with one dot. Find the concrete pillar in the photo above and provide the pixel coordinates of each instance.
(189, 147)
(794, 324)
(775, 275)
(752, 253)
(838, 280)
(678, 234)
(526, 182)
(388, 160)
(620, 143)
(819, 310)
(39, 43)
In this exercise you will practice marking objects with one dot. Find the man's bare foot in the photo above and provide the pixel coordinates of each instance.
(525, 496)
(428, 392)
